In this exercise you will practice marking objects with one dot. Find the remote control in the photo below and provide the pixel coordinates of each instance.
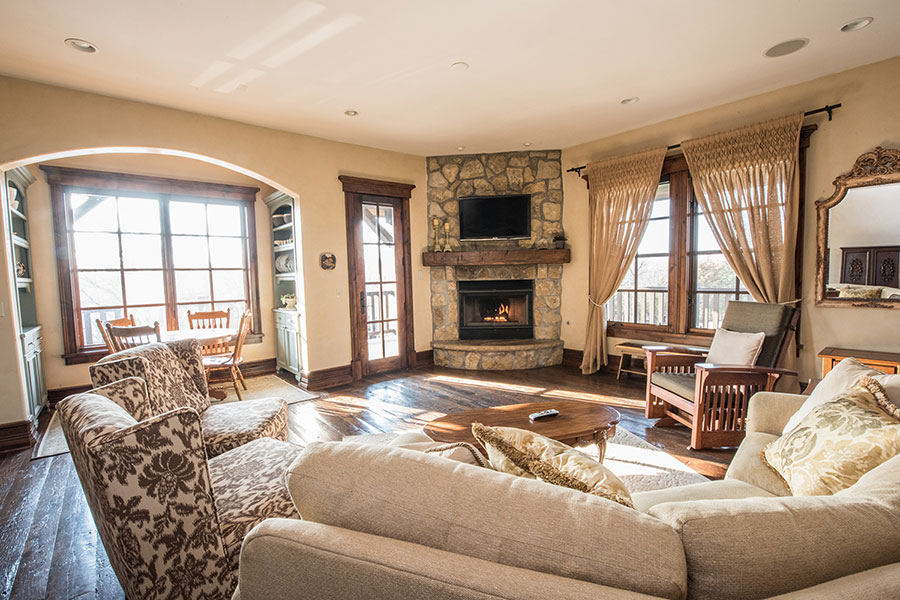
(544, 414)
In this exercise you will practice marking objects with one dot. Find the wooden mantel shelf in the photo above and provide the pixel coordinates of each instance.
(474, 258)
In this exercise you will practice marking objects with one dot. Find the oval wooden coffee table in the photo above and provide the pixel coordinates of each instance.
(578, 422)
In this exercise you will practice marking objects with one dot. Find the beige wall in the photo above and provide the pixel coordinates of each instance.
(869, 117)
(57, 373)
(41, 120)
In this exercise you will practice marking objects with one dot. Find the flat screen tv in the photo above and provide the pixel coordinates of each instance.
(495, 217)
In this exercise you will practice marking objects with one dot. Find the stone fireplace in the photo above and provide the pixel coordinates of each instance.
(469, 332)
(495, 309)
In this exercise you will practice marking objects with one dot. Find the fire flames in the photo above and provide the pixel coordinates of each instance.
(501, 315)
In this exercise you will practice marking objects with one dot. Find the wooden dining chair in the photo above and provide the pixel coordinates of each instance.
(232, 362)
(216, 319)
(125, 337)
(123, 322)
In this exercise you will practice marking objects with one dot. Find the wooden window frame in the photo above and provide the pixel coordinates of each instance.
(680, 329)
(61, 179)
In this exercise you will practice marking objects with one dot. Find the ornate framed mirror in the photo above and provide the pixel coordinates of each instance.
(858, 235)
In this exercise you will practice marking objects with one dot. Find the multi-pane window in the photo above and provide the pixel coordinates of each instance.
(643, 295)
(714, 281)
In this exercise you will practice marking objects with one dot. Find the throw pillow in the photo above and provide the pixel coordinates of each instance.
(838, 442)
(528, 454)
(735, 348)
(865, 293)
(840, 378)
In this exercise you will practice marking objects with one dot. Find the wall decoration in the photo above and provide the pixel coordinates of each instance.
(327, 261)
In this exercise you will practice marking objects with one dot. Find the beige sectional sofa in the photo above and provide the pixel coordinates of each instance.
(381, 522)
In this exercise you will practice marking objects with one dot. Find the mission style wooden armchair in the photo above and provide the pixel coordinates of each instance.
(712, 399)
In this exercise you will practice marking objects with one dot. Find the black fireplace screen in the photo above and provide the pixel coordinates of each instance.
(495, 309)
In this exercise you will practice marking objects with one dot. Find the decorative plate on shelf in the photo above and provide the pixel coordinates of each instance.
(284, 263)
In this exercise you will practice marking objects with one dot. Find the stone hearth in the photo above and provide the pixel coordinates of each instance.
(537, 173)
(492, 355)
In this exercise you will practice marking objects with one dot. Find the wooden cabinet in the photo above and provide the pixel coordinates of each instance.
(285, 271)
(888, 362)
(871, 265)
(17, 182)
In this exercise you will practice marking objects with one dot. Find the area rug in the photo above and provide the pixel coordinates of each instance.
(641, 466)
(53, 442)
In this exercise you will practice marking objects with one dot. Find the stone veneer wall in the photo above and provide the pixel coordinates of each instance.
(538, 173)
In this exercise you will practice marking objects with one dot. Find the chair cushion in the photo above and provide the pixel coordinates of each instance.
(682, 384)
(723, 489)
(735, 348)
(249, 486)
(232, 424)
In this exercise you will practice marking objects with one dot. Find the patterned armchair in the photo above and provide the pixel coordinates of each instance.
(171, 520)
(176, 379)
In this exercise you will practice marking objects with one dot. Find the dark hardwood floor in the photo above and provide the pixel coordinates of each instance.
(49, 546)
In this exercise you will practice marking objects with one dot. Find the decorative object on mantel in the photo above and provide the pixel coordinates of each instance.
(327, 261)
(284, 263)
(289, 301)
(858, 256)
(447, 247)
(559, 240)
(436, 235)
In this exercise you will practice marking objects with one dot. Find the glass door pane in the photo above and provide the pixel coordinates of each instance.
(379, 258)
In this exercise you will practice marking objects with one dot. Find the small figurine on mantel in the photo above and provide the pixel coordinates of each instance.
(447, 247)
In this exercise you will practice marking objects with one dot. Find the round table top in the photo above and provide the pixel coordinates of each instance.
(577, 419)
(204, 336)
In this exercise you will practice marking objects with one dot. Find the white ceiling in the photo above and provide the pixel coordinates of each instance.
(549, 72)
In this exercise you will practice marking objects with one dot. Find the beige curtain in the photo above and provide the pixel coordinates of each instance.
(746, 180)
(621, 192)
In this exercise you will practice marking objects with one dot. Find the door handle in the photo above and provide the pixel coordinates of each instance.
(362, 303)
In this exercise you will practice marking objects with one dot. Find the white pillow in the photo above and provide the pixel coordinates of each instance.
(840, 379)
(734, 348)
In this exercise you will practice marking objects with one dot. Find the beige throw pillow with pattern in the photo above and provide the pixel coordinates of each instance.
(528, 454)
(838, 442)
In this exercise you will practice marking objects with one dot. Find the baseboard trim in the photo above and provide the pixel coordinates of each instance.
(424, 359)
(251, 368)
(326, 378)
(572, 358)
(18, 435)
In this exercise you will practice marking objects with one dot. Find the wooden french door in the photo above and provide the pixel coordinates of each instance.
(379, 275)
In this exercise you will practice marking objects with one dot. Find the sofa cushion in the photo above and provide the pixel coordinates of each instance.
(874, 584)
(748, 464)
(232, 424)
(761, 547)
(682, 384)
(527, 454)
(838, 442)
(249, 486)
(839, 379)
(418, 498)
(708, 490)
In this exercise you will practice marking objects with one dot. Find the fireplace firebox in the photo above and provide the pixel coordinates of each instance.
(490, 310)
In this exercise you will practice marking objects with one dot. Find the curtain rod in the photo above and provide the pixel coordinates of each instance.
(827, 108)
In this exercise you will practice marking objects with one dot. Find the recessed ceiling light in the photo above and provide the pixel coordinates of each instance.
(526, 144)
(460, 148)
(351, 113)
(857, 24)
(459, 66)
(81, 45)
(785, 48)
(631, 100)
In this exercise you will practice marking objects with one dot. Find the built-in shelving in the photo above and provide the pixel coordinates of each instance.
(285, 276)
(288, 321)
(18, 214)
(284, 248)
(283, 227)
(20, 242)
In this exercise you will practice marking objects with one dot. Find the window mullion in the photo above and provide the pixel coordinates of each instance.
(168, 265)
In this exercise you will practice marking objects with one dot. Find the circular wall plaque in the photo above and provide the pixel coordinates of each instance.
(327, 261)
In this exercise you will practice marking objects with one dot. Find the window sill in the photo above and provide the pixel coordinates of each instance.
(92, 355)
(655, 333)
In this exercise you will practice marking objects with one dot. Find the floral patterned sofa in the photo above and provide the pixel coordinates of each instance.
(171, 519)
(175, 379)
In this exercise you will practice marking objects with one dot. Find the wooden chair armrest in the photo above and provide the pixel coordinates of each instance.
(740, 369)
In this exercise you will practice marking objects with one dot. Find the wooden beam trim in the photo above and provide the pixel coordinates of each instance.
(376, 187)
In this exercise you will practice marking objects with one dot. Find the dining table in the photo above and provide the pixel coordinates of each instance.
(207, 337)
